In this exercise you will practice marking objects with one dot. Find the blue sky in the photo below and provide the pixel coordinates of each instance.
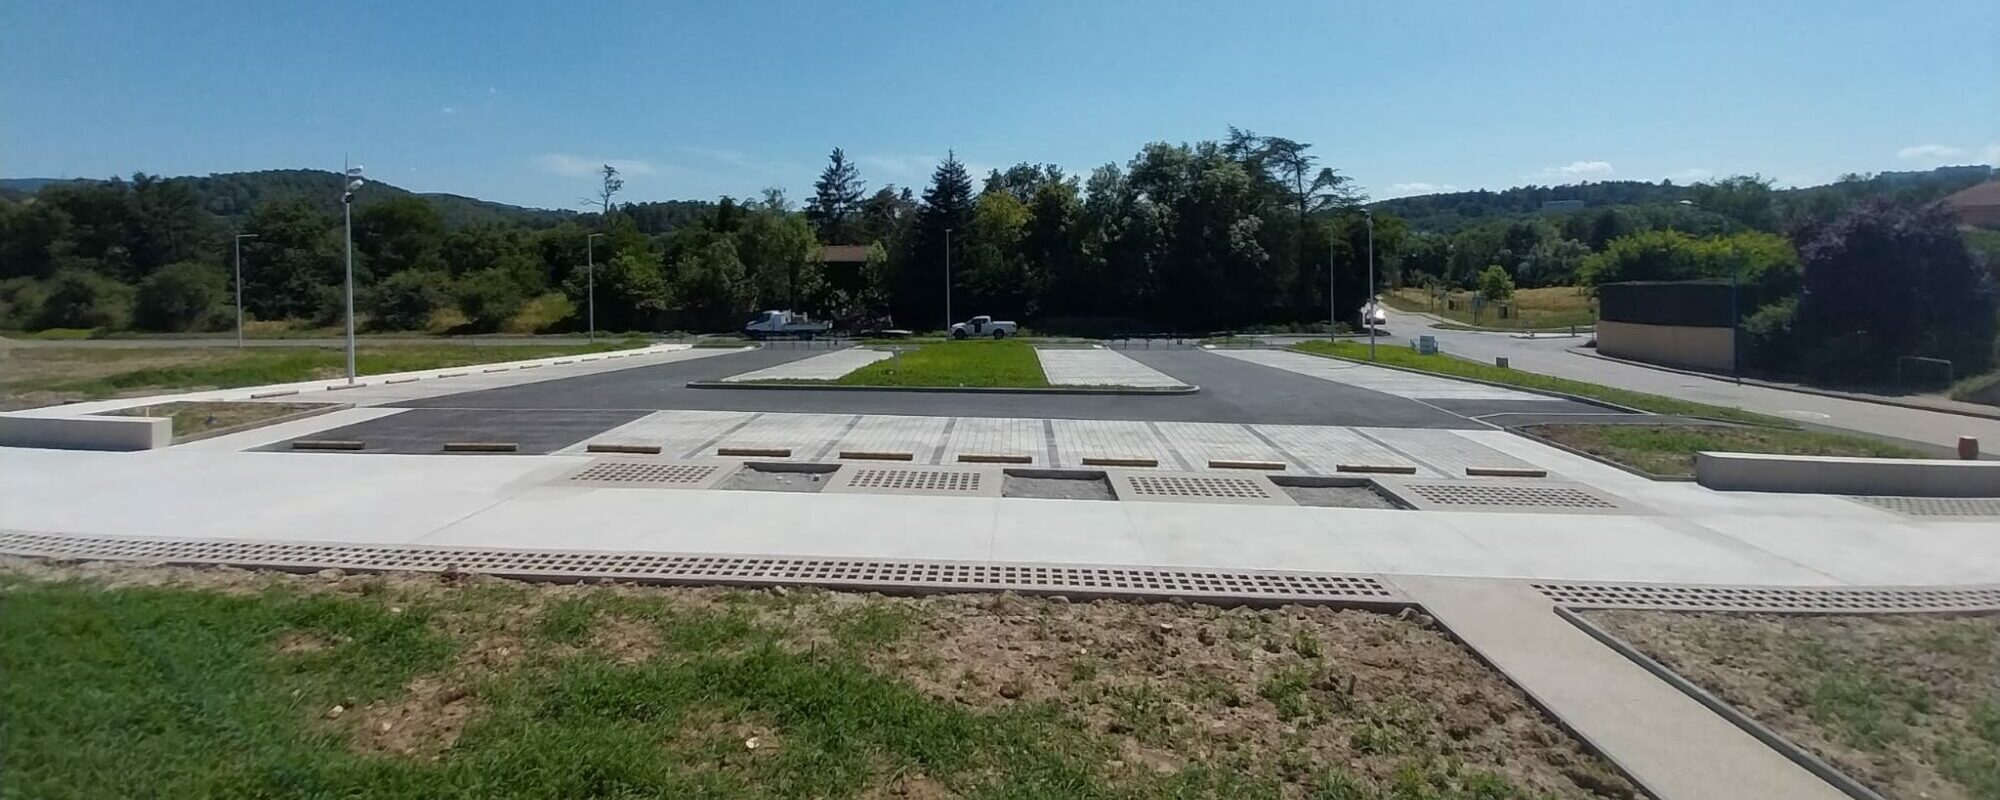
(518, 101)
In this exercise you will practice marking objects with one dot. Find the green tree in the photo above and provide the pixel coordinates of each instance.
(168, 223)
(490, 297)
(780, 259)
(1883, 282)
(996, 278)
(406, 300)
(1744, 199)
(292, 262)
(1552, 262)
(394, 235)
(713, 287)
(836, 204)
(82, 299)
(632, 291)
(947, 206)
(1496, 284)
(181, 296)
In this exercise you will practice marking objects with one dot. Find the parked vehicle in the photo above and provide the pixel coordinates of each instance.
(1375, 314)
(784, 324)
(984, 326)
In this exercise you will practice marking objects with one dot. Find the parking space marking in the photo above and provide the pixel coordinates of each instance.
(1408, 385)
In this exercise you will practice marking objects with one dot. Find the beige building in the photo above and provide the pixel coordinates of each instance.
(1978, 206)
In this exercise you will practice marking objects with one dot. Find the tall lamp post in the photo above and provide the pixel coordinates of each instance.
(1332, 305)
(1370, 310)
(947, 281)
(347, 215)
(590, 279)
(239, 286)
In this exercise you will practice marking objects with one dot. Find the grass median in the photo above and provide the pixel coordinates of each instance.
(36, 376)
(1669, 449)
(1460, 368)
(127, 680)
(955, 364)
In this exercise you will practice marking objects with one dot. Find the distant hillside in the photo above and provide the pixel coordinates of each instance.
(1453, 211)
(232, 194)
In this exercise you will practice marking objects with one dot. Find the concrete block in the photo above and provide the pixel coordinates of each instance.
(1910, 477)
(86, 432)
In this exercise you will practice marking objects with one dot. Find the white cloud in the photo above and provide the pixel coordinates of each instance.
(492, 90)
(1580, 170)
(574, 166)
(1691, 175)
(1930, 152)
(1418, 187)
(448, 110)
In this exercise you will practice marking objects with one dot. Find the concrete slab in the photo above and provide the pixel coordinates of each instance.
(1387, 381)
(1202, 442)
(995, 436)
(919, 436)
(817, 368)
(1076, 440)
(1322, 449)
(809, 436)
(1443, 451)
(1096, 366)
(1675, 747)
(686, 434)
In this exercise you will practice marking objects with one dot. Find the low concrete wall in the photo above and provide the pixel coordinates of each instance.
(1672, 345)
(86, 432)
(1911, 477)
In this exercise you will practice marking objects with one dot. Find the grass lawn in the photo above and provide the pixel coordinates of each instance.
(968, 363)
(1909, 705)
(1460, 368)
(126, 680)
(1547, 307)
(1670, 449)
(36, 376)
(196, 418)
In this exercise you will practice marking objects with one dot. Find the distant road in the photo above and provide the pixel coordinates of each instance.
(1550, 355)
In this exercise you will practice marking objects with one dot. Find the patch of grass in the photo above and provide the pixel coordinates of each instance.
(868, 626)
(1543, 308)
(969, 363)
(193, 418)
(1977, 389)
(1459, 368)
(94, 372)
(1670, 449)
(55, 334)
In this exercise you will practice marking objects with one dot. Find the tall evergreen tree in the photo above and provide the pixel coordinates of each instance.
(836, 201)
(947, 206)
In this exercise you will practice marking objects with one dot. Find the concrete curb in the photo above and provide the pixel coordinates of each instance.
(1907, 477)
(325, 408)
(1859, 398)
(816, 387)
(1770, 738)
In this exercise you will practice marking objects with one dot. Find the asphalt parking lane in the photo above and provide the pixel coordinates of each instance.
(1231, 391)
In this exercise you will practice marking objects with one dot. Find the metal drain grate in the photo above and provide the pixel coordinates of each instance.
(900, 575)
(1197, 487)
(1844, 600)
(1469, 494)
(644, 472)
(910, 480)
(1937, 506)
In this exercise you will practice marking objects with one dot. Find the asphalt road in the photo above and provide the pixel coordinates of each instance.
(1231, 391)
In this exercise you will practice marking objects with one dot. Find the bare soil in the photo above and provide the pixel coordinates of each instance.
(1079, 488)
(1908, 705)
(191, 419)
(1301, 690)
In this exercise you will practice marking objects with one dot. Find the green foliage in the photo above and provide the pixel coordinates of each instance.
(1671, 449)
(491, 297)
(21, 303)
(182, 296)
(1495, 284)
(968, 363)
(713, 286)
(204, 369)
(1770, 339)
(1767, 264)
(79, 298)
(407, 299)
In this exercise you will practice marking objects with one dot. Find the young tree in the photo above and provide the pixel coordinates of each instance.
(1496, 284)
(609, 187)
(836, 200)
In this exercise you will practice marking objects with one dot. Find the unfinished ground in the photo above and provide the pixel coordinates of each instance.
(183, 682)
(1907, 704)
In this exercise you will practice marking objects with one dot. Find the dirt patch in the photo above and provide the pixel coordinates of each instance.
(753, 478)
(1337, 496)
(424, 723)
(1082, 486)
(195, 419)
(1907, 704)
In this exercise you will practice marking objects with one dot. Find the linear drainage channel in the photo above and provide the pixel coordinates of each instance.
(1938, 507)
(1772, 599)
(1228, 587)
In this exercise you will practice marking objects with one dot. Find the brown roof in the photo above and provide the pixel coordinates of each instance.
(843, 253)
(1980, 196)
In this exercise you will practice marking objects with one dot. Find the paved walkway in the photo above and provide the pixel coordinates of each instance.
(818, 368)
(1096, 366)
(1387, 381)
(1674, 746)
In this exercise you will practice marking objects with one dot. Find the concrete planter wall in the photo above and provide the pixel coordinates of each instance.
(1907, 477)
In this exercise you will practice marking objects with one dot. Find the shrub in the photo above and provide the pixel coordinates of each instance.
(543, 313)
(21, 302)
(1769, 342)
(408, 299)
(490, 297)
(82, 299)
(182, 296)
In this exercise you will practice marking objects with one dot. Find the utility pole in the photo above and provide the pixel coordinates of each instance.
(1371, 308)
(239, 286)
(353, 178)
(1332, 305)
(590, 279)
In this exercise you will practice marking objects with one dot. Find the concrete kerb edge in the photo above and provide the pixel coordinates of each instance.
(1859, 398)
(1785, 747)
(841, 387)
(1495, 384)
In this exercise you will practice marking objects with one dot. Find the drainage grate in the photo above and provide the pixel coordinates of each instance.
(1938, 506)
(1484, 495)
(1197, 487)
(910, 480)
(1843, 600)
(644, 472)
(902, 575)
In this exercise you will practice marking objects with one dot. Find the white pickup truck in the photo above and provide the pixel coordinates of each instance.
(784, 324)
(984, 326)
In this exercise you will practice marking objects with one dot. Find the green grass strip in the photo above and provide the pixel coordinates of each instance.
(970, 363)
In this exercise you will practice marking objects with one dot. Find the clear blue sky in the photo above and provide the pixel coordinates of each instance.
(517, 101)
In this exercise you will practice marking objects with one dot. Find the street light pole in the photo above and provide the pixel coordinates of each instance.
(239, 286)
(947, 281)
(1332, 305)
(590, 278)
(353, 178)
(1371, 309)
